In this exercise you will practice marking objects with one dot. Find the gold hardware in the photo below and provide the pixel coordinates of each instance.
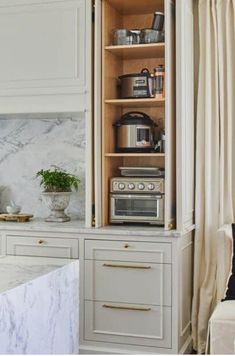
(125, 266)
(40, 242)
(125, 307)
(170, 226)
(126, 245)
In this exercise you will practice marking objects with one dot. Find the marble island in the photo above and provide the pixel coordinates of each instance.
(39, 305)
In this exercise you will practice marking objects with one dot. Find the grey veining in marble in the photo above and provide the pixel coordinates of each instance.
(39, 316)
(77, 227)
(26, 146)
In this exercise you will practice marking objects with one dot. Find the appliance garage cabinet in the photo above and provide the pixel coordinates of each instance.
(137, 122)
(138, 279)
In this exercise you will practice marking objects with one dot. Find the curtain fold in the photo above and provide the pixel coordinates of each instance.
(215, 154)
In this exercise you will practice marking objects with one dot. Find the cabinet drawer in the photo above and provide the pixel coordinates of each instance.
(128, 251)
(42, 246)
(143, 283)
(128, 324)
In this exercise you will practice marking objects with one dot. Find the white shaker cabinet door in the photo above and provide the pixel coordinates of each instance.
(185, 114)
(43, 47)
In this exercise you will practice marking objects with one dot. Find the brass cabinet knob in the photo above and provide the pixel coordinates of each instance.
(126, 245)
(40, 242)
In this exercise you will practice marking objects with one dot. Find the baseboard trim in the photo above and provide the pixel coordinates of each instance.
(97, 350)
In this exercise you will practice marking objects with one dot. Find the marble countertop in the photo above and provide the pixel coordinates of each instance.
(16, 270)
(78, 227)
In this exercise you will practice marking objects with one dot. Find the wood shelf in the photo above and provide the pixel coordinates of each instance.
(139, 51)
(135, 155)
(136, 103)
(134, 7)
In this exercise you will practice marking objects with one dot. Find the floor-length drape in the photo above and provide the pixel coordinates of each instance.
(215, 151)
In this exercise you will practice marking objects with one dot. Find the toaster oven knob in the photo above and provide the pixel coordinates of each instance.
(131, 186)
(141, 186)
(151, 186)
(121, 186)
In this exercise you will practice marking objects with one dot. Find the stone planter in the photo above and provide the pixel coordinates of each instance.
(57, 203)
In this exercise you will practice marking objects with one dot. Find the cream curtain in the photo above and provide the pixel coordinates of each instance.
(215, 150)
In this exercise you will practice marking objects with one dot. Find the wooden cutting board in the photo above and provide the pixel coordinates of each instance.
(16, 217)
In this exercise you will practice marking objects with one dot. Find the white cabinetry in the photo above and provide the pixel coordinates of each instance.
(133, 299)
(45, 60)
(39, 244)
(185, 114)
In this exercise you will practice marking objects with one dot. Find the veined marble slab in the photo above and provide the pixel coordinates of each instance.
(77, 227)
(28, 145)
(39, 305)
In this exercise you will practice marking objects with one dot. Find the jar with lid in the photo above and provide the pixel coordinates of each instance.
(159, 79)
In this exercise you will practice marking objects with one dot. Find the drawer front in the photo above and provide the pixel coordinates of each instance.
(42, 246)
(128, 324)
(143, 283)
(128, 251)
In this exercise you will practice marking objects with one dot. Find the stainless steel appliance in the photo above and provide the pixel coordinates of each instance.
(135, 132)
(136, 85)
(137, 200)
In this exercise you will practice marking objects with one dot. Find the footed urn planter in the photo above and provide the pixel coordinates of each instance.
(57, 202)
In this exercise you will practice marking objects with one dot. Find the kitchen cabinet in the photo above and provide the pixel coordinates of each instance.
(185, 129)
(41, 245)
(46, 56)
(121, 60)
(174, 112)
(137, 295)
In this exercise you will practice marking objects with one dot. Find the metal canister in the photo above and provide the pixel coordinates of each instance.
(158, 21)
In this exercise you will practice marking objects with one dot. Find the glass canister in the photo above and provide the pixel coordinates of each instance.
(122, 37)
(159, 81)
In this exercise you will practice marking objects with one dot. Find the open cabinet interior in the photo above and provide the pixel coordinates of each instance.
(118, 60)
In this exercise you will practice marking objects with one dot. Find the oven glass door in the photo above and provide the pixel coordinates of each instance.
(142, 208)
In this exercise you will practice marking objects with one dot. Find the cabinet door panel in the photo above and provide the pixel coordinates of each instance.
(144, 283)
(42, 246)
(185, 114)
(43, 47)
(170, 117)
(128, 324)
(128, 251)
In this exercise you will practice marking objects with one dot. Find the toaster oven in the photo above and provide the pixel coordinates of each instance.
(137, 200)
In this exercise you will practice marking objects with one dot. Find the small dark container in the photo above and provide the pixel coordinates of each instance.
(158, 21)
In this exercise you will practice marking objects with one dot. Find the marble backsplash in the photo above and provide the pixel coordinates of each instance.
(28, 145)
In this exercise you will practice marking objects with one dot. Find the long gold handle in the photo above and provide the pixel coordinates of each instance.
(125, 308)
(114, 265)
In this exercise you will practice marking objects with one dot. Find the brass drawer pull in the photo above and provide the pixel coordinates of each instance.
(126, 266)
(109, 306)
(40, 242)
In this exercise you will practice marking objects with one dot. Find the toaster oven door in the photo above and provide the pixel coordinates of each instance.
(137, 208)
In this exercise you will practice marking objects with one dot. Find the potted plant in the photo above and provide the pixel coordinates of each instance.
(58, 185)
